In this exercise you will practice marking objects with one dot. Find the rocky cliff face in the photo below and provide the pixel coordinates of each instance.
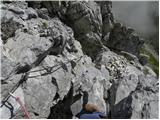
(52, 51)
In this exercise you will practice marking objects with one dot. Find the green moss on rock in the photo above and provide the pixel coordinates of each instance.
(153, 62)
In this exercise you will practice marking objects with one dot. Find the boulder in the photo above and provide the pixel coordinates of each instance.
(25, 49)
(43, 13)
(39, 92)
(7, 66)
(31, 13)
(124, 39)
(16, 10)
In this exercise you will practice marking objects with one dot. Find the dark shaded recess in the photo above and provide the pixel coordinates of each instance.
(5, 1)
(36, 114)
(123, 109)
(7, 30)
(73, 64)
(54, 52)
(62, 110)
(23, 69)
(56, 96)
(59, 111)
(85, 101)
(91, 49)
(54, 81)
(112, 97)
(112, 93)
(35, 4)
(145, 111)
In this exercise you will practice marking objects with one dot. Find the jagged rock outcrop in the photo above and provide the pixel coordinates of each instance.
(107, 18)
(86, 20)
(125, 39)
(53, 49)
(130, 84)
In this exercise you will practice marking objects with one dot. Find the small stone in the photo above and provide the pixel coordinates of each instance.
(31, 13)
(43, 13)
(16, 10)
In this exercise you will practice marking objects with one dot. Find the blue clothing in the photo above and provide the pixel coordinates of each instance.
(94, 115)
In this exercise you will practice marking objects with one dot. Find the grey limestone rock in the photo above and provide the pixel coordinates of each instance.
(128, 82)
(59, 51)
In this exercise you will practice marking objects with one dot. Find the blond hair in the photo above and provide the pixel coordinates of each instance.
(91, 107)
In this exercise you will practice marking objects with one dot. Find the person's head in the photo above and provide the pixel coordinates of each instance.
(91, 107)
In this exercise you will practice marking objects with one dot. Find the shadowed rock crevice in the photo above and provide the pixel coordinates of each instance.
(62, 110)
(124, 106)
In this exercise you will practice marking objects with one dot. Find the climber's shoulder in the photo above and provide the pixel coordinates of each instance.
(94, 115)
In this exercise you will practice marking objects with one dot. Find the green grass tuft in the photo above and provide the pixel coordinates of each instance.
(44, 25)
(153, 62)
